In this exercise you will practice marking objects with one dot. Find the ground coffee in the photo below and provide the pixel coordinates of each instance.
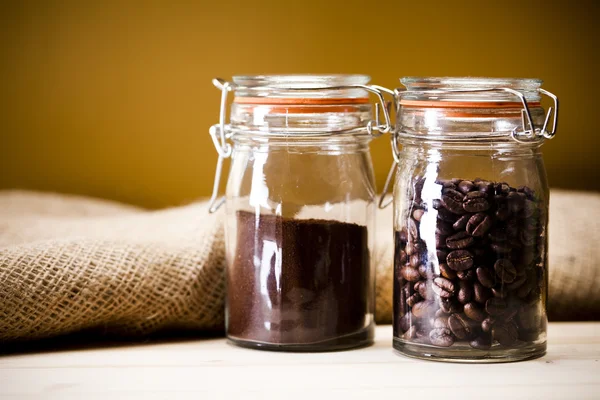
(297, 282)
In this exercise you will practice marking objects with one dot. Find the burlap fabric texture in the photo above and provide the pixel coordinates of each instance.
(69, 264)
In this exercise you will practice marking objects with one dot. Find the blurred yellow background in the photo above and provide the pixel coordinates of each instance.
(114, 100)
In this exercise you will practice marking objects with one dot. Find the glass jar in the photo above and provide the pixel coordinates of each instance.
(300, 204)
(470, 219)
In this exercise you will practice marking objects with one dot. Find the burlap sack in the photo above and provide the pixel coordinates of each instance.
(69, 264)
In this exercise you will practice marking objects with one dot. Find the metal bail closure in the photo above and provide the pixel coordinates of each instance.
(528, 130)
(221, 131)
(219, 138)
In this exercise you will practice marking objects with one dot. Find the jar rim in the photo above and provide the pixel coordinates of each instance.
(467, 91)
(463, 82)
(300, 81)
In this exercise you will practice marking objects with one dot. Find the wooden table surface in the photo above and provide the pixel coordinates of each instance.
(211, 368)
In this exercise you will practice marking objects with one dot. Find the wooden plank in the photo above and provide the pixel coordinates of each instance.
(217, 370)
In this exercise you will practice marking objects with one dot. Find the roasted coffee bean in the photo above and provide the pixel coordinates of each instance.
(422, 289)
(441, 255)
(467, 275)
(402, 236)
(446, 215)
(475, 312)
(506, 334)
(410, 274)
(446, 183)
(443, 287)
(465, 292)
(406, 321)
(517, 283)
(418, 214)
(401, 257)
(446, 272)
(487, 324)
(450, 306)
(485, 187)
(481, 294)
(401, 299)
(502, 188)
(460, 240)
(441, 322)
(415, 247)
(422, 335)
(461, 223)
(500, 292)
(496, 306)
(424, 271)
(529, 209)
(505, 270)
(414, 299)
(476, 202)
(516, 201)
(411, 333)
(444, 228)
(423, 309)
(460, 326)
(528, 238)
(413, 230)
(460, 260)
(482, 342)
(440, 313)
(530, 193)
(441, 337)
(503, 212)
(417, 259)
(478, 225)
(452, 200)
(440, 241)
(484, 277)
(466, 186)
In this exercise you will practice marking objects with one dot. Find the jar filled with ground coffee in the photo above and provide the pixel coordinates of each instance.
(300, 204)
(470, 215)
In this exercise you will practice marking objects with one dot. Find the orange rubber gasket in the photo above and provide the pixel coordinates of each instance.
(281, 109)
(456, 114)
(465, 104)
(300, 101)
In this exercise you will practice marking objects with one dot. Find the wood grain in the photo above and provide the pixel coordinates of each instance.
(211, 368)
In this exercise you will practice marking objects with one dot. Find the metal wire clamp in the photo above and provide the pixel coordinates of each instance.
(221, 132)
(528, 130)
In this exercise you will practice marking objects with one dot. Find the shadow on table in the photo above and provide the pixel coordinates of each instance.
(95, 339)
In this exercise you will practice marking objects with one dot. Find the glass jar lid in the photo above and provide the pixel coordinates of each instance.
(302, 105)
(296, 106)
(464, 108)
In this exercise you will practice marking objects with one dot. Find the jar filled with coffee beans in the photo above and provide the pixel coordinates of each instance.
(300, 207)
(470, 219)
